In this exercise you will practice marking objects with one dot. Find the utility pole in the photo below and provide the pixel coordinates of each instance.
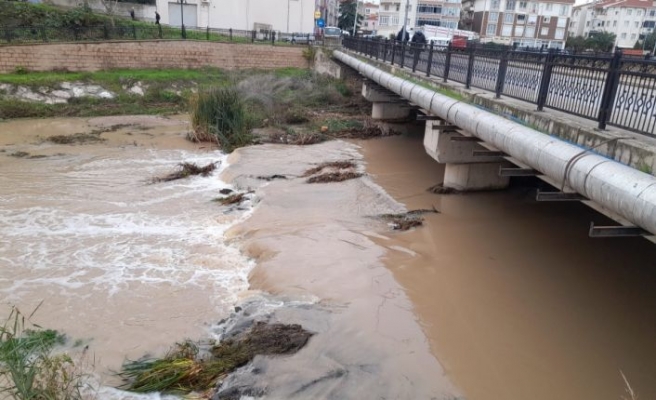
(355, 19)
(405, 19)
(287, 16)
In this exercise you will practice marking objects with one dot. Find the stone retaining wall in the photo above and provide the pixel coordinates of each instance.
(148, 54)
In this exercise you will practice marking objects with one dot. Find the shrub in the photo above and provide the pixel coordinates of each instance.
(220, 115)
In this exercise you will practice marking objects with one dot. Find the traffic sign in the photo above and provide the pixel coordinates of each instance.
(317, 14)
(321, 23)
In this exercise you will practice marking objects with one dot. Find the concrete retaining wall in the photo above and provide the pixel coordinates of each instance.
(148, 54)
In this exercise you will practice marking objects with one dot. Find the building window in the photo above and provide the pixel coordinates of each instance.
(491, 30)
(429, 9)
(544, 31)
(529, 32)
(649, 24)
(519, 31)
(523, 5)
(433, 22)
(548, 7)
(562, 22)
(633, 36)
(639, 12)
(367, 11)
(546, 20)
(624, 35)
(395, 20)
(506, 30)
(386, 7)
(494, 5)
(560, 34)
(409, 7)
(521, 19)
(384, 20)
(564, 10)
(510, 5)
(398, 7)
(493, 17)
(629, 11)
(615, 24)
(626, 24)
(652, 13)
(532, 19)
(508, 18)
(366, 24)
(533, 7)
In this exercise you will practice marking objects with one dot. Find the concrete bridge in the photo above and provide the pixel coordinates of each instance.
(481, 149)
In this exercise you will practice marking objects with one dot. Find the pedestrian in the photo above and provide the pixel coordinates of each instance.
(403, 35)
(132, 14)
(157, 18)
(419, 37)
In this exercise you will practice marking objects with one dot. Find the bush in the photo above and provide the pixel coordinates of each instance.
(220, 115)
(29, 370)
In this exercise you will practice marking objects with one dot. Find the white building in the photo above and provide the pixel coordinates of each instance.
(391, 13)
(278, 15)
(627, 19)
(523, 23)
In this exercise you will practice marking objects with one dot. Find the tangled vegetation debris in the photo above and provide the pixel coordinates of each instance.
(331, 164)
(234, 198)
(184, 369)
(19, 154)
(77, 138)
(407, 220)
(270, 178)
(185, 170)
(441, 189)
(339, 176)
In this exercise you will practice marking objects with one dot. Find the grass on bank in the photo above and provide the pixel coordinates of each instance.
(30, 369)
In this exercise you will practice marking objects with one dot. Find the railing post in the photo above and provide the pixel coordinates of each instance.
(402, 53)
(159, 31)
(207, 32)
(610, 89)
(230, 34)
(501, 76)
(253, 36)
(430, 59)
(42, 31)
(273, 38)
(75, 33)
(546, 79)
(183, 32)
(385, 49)
(447, 62)
(393, 50)
(134, 32)
(470, 68)
(415, 56)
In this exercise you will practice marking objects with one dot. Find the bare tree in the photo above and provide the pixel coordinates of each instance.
(110, 8)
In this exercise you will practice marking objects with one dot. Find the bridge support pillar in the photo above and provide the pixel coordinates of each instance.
(464, 170)
(472, 177)
(387, 106)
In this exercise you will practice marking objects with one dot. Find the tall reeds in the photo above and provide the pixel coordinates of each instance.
(220, 115)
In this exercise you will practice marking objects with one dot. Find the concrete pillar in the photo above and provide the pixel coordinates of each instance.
(464, 171)
(386, 105)
(471, 177)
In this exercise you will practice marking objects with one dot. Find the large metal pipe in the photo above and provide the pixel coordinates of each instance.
(623, 190)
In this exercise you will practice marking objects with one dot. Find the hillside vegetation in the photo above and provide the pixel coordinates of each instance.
(19, 14)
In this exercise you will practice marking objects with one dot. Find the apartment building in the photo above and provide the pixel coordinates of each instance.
(329, 10)
(444, 13)
(279, 15)
(629, 20)
(390, 16)
(369, 25)
(523, 23)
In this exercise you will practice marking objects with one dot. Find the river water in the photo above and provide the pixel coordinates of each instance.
(496, 297)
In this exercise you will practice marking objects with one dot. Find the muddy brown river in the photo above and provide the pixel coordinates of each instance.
(495, 297)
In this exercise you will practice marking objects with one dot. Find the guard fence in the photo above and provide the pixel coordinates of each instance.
(36, 34)
(608, 88)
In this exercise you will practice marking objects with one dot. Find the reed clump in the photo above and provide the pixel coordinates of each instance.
(187, 369)
(30, 369)
(220, 115)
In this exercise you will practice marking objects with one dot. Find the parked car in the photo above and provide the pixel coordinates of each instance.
(300, 38)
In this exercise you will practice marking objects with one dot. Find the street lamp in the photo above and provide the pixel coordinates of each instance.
(184, 34)
(405, 19)
(355, 17)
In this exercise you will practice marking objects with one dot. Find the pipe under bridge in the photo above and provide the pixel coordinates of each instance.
(482, 150)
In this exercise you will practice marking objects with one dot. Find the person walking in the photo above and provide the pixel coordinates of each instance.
(157, 17)
(403, 35)
(132, 14)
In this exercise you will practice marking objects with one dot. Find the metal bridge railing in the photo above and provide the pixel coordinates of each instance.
(36, 34)
(608, 88)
